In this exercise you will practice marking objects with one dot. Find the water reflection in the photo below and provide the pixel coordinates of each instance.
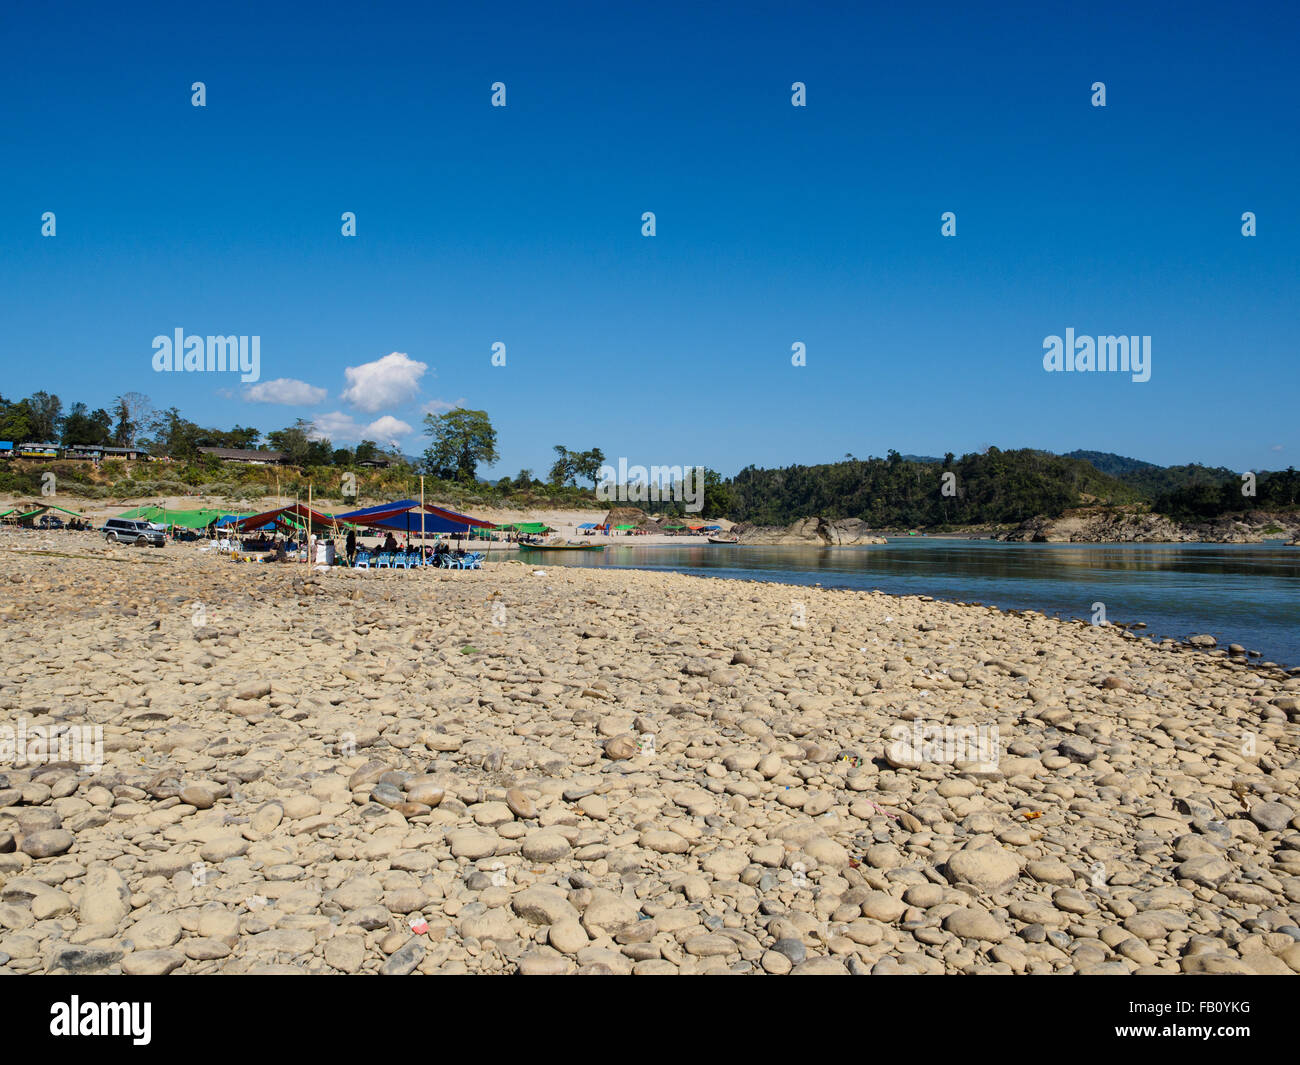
(1242, 593)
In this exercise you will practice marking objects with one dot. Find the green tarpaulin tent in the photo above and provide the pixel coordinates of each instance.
(301, 523)
(191, 519)
(186, 519)
(532, 528)
(37, 509)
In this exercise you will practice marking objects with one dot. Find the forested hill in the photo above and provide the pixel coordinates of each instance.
(993, 487)
(1151, 480)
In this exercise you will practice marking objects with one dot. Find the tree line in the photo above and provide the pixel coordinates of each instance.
(989, 487)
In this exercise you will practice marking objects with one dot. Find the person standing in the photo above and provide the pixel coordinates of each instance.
(351, 546)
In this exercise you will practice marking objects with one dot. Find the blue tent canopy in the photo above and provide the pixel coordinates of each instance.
(587, 525)
(230, 519)
(404, 516)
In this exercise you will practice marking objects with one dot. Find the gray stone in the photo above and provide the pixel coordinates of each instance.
(403, 960)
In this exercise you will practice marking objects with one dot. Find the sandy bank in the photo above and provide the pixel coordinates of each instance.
(615, 771)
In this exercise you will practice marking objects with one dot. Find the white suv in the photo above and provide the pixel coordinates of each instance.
(126, 531)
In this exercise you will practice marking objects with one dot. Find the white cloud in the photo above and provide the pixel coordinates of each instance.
(284, 390)
(441, 406)
(334, 426)
(339, 427)
(1277, 447)
(387, 429)
(387, 382)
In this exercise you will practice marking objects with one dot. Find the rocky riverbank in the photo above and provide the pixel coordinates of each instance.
(607, 771)
(1100, 525)
(812, 532)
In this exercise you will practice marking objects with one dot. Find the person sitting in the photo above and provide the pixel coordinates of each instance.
(390, 543)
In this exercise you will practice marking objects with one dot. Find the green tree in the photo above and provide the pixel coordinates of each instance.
(46, 416)
(461, 439)
(15, 420)
(134, 413)
(175, 436)
(562, 469)
(319, 453)
(570, 465)
(717, 495)
(242, 436)
(293, 440)
(588, 464)
(83, 427)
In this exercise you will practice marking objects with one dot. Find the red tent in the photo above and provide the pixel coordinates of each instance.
(298, 510)
(404, 515)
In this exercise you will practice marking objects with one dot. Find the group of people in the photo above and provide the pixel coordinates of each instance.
(282, 546)
(262, 542)
(50, 521)
(352, 545)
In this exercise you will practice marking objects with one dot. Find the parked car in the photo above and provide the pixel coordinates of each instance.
(49, 521)
(126, 531)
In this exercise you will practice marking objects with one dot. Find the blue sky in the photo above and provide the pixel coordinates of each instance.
(775, 224)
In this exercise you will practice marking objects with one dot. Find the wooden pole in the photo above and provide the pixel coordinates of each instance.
(310, 560)
(421, 519)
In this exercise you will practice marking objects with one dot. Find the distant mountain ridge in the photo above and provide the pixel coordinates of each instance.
(994, 487)
(1110, 463)
(1153, 481)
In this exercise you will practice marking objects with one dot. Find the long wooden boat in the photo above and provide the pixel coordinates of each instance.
(721, 540)
(561, 547)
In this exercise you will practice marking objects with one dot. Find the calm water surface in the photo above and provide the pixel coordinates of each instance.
(1239, 593)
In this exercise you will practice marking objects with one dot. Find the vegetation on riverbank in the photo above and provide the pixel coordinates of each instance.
(989, 490)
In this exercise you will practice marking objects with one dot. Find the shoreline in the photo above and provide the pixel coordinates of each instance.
(493, 550)
(566, 520)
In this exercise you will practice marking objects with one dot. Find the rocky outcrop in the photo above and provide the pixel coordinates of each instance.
(815, 532)
(1137, 525)
(626, 516)
(1088, 525)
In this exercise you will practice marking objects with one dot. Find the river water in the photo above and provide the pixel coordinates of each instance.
(1238, 593)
